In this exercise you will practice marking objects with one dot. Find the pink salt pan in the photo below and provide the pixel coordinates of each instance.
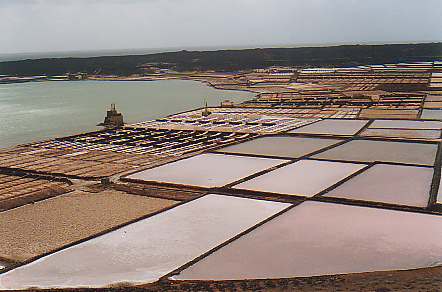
(146, 250)
(317, 238)
(207, 170)
(394, 184)
(303, 178)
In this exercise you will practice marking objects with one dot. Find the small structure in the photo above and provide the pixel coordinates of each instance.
(227, 103)
(113, 118)
(105, 182)
(77, 76)
(206, 111)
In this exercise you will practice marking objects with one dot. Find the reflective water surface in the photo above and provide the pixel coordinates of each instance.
(146, 250)
(332, 127)
(303, 178)
(40, 110)
(207, 170)
(370, 151)
(281, 146)
(395, 184)
(404, 124)
(322, 239)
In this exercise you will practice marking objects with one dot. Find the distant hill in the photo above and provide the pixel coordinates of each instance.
(229, 60)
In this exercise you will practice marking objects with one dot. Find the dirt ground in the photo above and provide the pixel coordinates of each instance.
(419, 280)
(38, 228)
(414, 280)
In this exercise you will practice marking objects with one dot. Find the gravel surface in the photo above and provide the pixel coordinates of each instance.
(38, 228)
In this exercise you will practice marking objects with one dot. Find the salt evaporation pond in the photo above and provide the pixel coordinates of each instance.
(281, 146)
(303, 178)
(370, 151)
(394, 184)
(144, 251)
(332, 127)
(206, 170)
(317, 238)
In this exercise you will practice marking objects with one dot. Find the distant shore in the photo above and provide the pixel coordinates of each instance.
(125, 79)
(228, 60)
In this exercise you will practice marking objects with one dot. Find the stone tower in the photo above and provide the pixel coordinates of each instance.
(113, 118)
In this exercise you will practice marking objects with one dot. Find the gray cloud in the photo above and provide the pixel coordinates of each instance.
(62, 25)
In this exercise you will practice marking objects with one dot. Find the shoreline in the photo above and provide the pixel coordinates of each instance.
(94, 127)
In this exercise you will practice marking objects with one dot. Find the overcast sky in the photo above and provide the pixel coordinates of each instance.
(63, 25)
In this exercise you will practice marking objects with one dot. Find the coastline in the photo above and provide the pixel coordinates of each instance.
(71, 128)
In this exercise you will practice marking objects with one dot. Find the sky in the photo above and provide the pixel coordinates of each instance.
(84, 25)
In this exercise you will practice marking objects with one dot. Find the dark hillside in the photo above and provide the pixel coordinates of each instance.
(228, 60)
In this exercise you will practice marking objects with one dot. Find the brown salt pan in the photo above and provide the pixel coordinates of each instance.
(143, 251)
(35, 229)
(404, 124)
(380, 114)
(402, 133)
(433, 105)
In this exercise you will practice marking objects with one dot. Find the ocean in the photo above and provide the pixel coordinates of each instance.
(42, 110)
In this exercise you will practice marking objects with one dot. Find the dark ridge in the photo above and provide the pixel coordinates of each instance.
(230, 60)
